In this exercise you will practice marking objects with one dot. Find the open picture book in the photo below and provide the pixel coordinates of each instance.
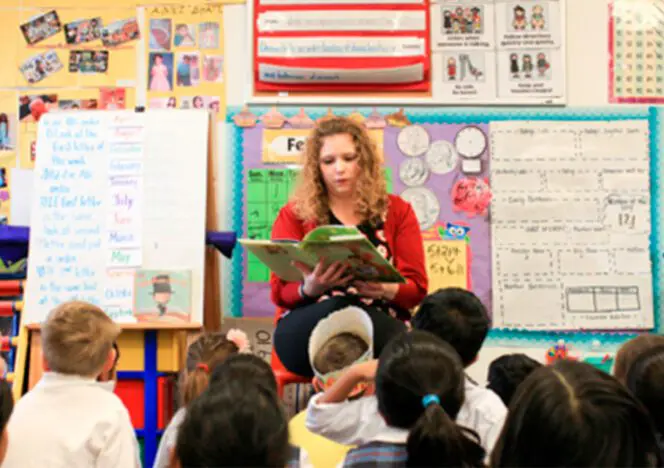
(334, 244)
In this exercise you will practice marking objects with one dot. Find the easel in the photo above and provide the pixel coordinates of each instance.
(148, 353)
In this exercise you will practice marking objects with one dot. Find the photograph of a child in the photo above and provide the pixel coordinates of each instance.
(160, 34)
(40, 66)
(84, 30)
(463, 20)
(212, 103)
(208, 35)
(120, 32)
(188, 69)
(42, 27)
(195, 102)
(7, 131)
(112, 98)
(160, 71)
(163, 296)
(32, 107)
(78, 104)
(185, 35)
(213, 68)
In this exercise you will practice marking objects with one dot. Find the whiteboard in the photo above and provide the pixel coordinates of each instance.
(115, 192)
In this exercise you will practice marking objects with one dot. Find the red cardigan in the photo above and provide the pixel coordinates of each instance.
(402, 233)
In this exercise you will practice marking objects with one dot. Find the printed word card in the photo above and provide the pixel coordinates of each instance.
(571, 225)
(499, 51)
(349, 45)
(114, 195)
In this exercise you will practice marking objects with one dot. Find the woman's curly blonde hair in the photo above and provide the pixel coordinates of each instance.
(310, 197)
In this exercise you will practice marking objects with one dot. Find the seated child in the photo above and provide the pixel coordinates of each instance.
(507, 372)
(233, 424)
(572, 414)
(630, 351)
(420, 389)
(251, 370)
(6, 407)
(457, 317)
(645, 379)
(203, 355)
(68, 419)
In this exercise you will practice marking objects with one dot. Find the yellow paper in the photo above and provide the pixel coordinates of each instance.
(51, 100)
(9, 35)
(118, 3)
(447, 264)
(122, 58)
(284, 146)
(185, 57)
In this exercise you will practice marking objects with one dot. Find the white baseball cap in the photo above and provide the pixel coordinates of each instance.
(352, 320)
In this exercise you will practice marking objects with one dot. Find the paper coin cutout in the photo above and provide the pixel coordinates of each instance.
(470, 142)
(441, 157)
(425, 204)
(413, 172)
(413, 140)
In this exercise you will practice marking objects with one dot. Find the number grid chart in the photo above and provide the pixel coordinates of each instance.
(636, 51)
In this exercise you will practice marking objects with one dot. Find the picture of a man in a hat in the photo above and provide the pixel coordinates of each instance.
(162, 292)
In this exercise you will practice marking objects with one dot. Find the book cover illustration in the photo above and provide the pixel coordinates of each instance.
(333, 243)
(162, 296)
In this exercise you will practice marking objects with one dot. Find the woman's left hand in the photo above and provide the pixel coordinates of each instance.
(376, 290)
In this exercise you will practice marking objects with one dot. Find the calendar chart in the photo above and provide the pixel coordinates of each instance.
(636, 69)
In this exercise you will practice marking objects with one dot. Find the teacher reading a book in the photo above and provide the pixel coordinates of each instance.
(342, 183)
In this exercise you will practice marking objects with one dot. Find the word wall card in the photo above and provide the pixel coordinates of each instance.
(571, 225)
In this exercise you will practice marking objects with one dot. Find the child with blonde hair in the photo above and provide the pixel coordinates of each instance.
(203, 355)
(68, 419)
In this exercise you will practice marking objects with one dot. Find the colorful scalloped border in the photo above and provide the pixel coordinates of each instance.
(497, 337)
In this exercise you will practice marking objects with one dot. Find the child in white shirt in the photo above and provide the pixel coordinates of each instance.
(456, 316)
(68, 419)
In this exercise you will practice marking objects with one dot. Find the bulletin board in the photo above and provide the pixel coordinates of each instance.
(453, 167)
(407, 52)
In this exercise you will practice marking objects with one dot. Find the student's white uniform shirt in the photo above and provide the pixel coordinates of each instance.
(358, 422)
(168, 440)
(69, 422)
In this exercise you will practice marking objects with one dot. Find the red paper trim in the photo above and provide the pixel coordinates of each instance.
(354, 63)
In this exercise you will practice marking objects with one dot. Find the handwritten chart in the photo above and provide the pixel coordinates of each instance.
(113, 195)
(447, 264)
(571, 225)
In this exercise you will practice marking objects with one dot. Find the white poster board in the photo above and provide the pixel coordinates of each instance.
(115, 192)
(570, 223)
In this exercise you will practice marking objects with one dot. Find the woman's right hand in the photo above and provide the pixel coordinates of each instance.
(318, 280)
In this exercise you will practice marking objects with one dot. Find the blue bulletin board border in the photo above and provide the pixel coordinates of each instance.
(497, 337)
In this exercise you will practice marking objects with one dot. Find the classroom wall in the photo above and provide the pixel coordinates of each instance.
(587, 86)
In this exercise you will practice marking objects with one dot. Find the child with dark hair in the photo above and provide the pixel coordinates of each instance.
(631, 350)
(645, 379)
(571, 414)
(244, 368)
(203, 355)
(6, 408)
(233, 424)
(507, 372)
(457, 317)
(252, 370)
(420, 390)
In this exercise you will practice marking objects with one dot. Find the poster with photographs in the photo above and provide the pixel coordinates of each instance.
(85, 30)
(88, 61)
(500, 51)
(41, 27)
(119, 32)
(40, 66)
(185, 58)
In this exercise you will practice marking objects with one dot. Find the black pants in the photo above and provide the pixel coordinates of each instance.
(291, 337)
